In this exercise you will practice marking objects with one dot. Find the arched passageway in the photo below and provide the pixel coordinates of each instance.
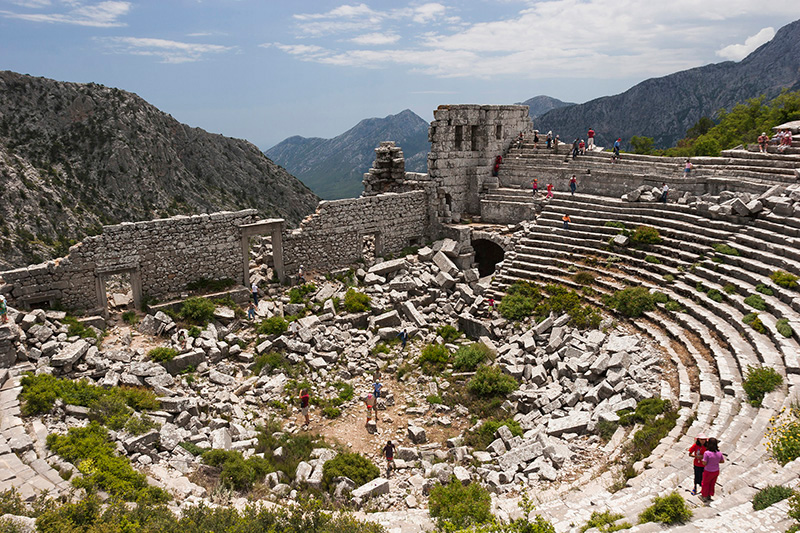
(487, 255)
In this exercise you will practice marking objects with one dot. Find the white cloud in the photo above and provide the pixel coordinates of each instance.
(376, 38)
(98, 15)
(32, 4)
(544, 39)
(737, 52)
(165, 50)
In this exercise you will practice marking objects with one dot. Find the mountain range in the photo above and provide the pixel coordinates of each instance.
(665, 108)
(76, 156)
(539, 105)
(333, 168)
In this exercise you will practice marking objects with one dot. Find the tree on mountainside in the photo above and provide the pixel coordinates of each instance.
(741, 125)
(642, 145)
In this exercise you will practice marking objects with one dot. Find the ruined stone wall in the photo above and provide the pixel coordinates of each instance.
(334, 236)
(465, 139)
(165, 254)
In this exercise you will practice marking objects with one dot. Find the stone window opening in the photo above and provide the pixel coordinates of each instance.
(474, 139)
(487, 255)
(459, 136)
(498, 132)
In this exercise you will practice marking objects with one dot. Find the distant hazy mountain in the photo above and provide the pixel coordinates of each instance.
(664, 108)
(334, 168)
(539, 105)
(74, 156)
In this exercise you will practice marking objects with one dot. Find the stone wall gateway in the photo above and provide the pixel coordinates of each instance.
(162, 257)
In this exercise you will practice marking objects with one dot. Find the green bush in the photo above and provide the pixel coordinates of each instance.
(197, 310)
(162, 354)
(296, 448)
(632, 302)
(605, 429)
(763, 289)
(91, 450)
(272, 360)
(669, 509)
(652, 259)
(605, 522)
(110, 411)
(484, 435)
(433, 399)
(770, 495)
(615, 224)
(434, 358)
(725, 249)
(448, 333)
(731, 288)
(456, 507)
(331, 412)
(582, 277)
(783, 327)
(715, 295)
(78, 328)
(660, 297)
(645, 235)
(274, 325)
(237, 472)
(674, 307)
(356, 302)
(645, 410)
(140, 424)
(759, 382)
(194, 332)
(784, 279)
(192, 448)
(467, 358)
(516, 306)
(297, 295)
(490, 381)
(754, 322)
(130, 317)
(756, 302)
(352, 465)
(783, 439)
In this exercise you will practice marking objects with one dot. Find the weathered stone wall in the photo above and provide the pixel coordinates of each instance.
(164, 255)
(334, 235)
(465, 139)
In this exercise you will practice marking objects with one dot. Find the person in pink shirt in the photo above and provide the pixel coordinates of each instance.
(712, 458)
(590, 136)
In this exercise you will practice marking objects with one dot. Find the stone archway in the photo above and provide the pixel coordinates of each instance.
(487, 255)
(272, 227)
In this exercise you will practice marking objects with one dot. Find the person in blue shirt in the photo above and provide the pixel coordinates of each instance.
(403, 336)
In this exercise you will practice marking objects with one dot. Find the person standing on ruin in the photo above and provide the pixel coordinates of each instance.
(687, 168)
(535, 186)
(712, 458)
(496, 169)
(555, 144)
(696, 452)
(535, 140)
(590, 141)
(369, 401)
(617, 145)
(582, 147)
(304, 401)
(254, 289)
(549, 139)
(388, 452)
(575, 148)
(301, 278)
(664, 193)
(573, 184)
(403, 336)
(566, 221)
(251, 311)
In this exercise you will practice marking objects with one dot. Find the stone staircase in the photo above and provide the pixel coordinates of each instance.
(23, 455)
(707, 343)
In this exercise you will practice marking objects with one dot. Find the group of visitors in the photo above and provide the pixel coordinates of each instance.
(783, 139)
(706, 458)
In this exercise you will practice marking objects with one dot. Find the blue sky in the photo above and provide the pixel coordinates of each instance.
(266, 70)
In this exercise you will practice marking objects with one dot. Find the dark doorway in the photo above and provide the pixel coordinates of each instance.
(487, 255)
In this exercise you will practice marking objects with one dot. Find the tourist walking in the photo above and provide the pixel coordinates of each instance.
(566, 221)
(496, 169)
(251, 311)
(304, 401)
(376, 389)
(696, 452)
(664, 193)
(617, 145)
(403, 336)
(712, 458)
(687, 168)
(575, 148)
(590, 139)
(388, 452)
(582, 147)
(535, 140)
(573, 184)
(301, 278)
(549, 190)
(369, 401)
(548, 139)
(254, 288)
(535, 186)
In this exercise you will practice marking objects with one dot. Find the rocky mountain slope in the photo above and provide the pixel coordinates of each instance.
(76, 156)
(333, 168)
(539, 105)
(664, 108)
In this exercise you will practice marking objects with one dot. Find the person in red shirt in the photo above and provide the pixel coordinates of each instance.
(549, 190)
(763, 139)
(696, 451)
(304, 399)
(590, 142)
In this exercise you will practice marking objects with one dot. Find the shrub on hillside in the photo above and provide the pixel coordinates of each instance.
(467, 358)
(756, 302)
(457, 507)
(725, 249)
(434, 358)
(110, 411)
(274, 325)
(583, 277)
(769, 495)
(490, 381)
(605, 522)
(516, 306)
(448, 333)
(763, 289)
(130, 317)
(352, 465)
(645, 235)
(356, 302)
(715, 295)
(783, 439)
(759, 382)
(784, 279)
(783, 327)
(632, 302)
(162, 354)
(237, 472)
(75, 327)
(297, 295)
(484, 435)
(752, 320)
(197, 310)
(670, 509)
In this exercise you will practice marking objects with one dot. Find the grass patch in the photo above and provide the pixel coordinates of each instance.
(615, 224)
(754, 322)
(356, 302)
(237, 473)
(671, 509)
(652, 259)
(298, 295)
(725, 249)
(605, 522)
(490, 382)
(39, 394)
(645, 236)
(456, 507)
(484, 435)
(632, 302)
(730, 288)
(467, 358)
(162, 354)
(756, 302)
(715, 295)
(352, 465)
(74, 327)
(760, 381)
(197, 310)
(434, 358)
(582, 277)
(770, 495)
(785, 279)
(130, 317)
(763, 289)
(274, 325)
(783, 327)
(448, 333)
